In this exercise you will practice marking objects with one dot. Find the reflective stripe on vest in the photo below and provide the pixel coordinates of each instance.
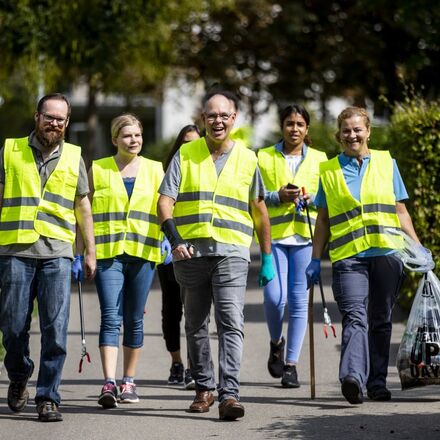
(355, 226)
(26, 213)
(215, 206)
(284, 221)
(122, 224)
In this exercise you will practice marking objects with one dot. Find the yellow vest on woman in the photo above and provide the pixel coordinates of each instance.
(27, 212)
(215, 206)
(122, 224)
(358, 225)
(284, 221)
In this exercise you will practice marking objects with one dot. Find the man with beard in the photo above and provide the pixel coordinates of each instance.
(211, 199)
(43, 194)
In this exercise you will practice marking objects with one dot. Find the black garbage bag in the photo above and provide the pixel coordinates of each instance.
(418, 358)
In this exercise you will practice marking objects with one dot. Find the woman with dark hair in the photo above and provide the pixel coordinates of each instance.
(286, 167)
(171, 301)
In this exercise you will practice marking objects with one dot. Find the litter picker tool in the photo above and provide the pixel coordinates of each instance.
(327, 320)
(311, 345)
(84, 352)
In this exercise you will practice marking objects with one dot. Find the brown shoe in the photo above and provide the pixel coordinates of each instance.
(203, 400)
(230, 409)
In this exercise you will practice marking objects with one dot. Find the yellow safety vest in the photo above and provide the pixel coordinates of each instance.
(215, 206)
(122, 224)
(358, 225)
(284, 221)
(26, 213)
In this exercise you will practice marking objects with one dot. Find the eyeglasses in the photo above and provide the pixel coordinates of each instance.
(211, 117)
(50, 119)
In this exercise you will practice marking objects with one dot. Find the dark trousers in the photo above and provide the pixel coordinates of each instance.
(171, 307)
(365, 290)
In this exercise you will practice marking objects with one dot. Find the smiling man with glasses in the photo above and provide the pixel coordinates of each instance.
(43, 195)
(212, 198)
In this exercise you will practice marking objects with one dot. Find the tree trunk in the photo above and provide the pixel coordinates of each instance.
(91, 148)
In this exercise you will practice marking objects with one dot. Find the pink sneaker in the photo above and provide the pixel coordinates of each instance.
(128, 393)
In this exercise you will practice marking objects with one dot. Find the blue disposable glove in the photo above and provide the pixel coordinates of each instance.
(300, 206)
(313, 272)
(77, 268)
(166, 248)
(266, 271)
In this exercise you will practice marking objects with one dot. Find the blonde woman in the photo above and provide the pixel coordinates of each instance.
(128, 239)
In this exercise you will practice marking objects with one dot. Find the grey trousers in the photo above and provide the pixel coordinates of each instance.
(221, 281)
(365, 290)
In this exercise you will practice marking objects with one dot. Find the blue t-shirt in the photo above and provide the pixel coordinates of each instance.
(129, 185)
(353, 174)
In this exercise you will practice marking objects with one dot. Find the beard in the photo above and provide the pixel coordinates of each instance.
(49, 137)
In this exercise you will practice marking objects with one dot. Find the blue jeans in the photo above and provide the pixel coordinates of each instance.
(123, 284)
(222, 281)
(21, 281)
(289, 284)
(365, 290)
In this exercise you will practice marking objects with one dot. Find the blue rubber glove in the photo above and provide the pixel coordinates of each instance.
(267, 272)
(300, 206)
(77, 268)
(166, 248)
(313, 272)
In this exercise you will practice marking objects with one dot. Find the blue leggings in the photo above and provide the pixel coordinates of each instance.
(289, 284)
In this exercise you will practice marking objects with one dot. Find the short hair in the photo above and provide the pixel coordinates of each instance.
(230, 96)
(122, 121)
(350, 112)
(56, 96)
(295, 108)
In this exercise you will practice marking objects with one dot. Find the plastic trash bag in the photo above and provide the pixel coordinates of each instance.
(418, 358)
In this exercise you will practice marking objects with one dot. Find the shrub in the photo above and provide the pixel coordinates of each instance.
(414, 140)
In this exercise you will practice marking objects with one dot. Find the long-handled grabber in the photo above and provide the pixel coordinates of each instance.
(84, 353)
(327, 320)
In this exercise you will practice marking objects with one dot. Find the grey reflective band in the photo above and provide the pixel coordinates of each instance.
(233, 203)
(54, 220)
(351, 236)
(379, 207)
(194, 196)
(108, 216)
(234, 226)
(139, 215)
(59, 200)
(193, 218)
(279, 220)
(345, 216)
(109, 238)
(147, 241)
(20, 201)
(13, 226)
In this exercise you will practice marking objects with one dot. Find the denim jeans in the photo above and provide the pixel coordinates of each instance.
(222, 281)
(289, 285)
(365, 290)
(123, 284)
(21, 281)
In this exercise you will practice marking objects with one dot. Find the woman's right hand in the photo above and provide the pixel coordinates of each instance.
(288, 195)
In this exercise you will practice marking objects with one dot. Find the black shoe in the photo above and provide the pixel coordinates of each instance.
(176, 374)
(290, 377)
(275, 364)
(351, 390)
(189, 382)
(18, 394)
(48, 412)
(380, 394)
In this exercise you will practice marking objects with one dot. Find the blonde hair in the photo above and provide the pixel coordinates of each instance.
(350, 112)
(122, 121)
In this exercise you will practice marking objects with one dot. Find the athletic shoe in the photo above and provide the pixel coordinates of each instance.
(176, 374)
(275, 364)
(189, 382)
(351, 390)
(290, 377)
(18, 394)
(379, 394)
(128, 393)
(109, 396)
(48, 412)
